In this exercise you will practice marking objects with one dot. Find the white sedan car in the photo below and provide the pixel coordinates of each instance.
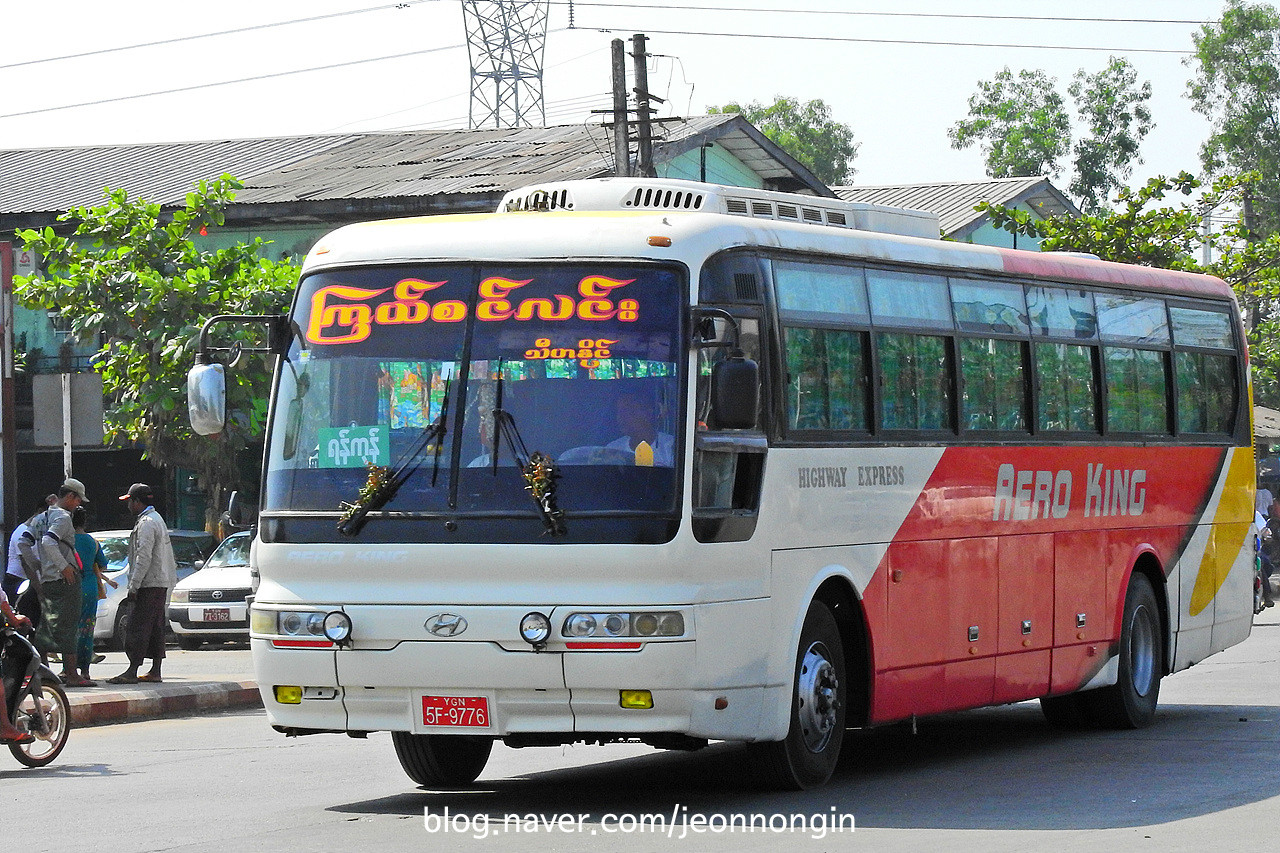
(209, 605)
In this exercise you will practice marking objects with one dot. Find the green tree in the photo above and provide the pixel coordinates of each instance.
(136, 279)
(1146, 230)
(807, 132)
(1112, 107)
(1020, 124)
(1237, 87)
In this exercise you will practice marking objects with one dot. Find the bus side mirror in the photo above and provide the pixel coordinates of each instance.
(735, 392)
(207, 398)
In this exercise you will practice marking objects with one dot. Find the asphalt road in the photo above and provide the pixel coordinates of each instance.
(1204, 777)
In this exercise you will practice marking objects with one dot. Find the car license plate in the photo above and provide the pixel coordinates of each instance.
(217, 614)
(467, 712)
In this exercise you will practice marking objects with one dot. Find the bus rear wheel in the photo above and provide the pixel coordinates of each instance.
(807, 756)
(1130, 703)
(449, 761)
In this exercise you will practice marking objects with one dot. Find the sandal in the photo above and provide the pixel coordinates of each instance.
(149, 679)
(123, 678)
(79, 682)
(19, 738)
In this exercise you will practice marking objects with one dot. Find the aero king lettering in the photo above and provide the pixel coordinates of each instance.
(1026, 495)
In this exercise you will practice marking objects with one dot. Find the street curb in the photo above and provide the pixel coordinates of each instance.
(95, 707)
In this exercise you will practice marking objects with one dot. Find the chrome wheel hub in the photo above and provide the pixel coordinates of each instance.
(817, 695)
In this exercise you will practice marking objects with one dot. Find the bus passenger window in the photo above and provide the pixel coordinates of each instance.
(1137, 399)
(915, 381)
(1206, 392)
(1067, 393)
(994, 396)
(826, 385)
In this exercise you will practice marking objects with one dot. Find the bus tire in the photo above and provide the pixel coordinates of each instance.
(1130, 703)
(449, 761)
(807, 756)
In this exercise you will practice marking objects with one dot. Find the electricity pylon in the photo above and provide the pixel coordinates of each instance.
(506, 40)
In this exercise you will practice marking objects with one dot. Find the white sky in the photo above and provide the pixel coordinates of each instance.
(899, 98)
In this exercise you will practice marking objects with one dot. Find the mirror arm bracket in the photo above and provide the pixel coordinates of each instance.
(279, 335)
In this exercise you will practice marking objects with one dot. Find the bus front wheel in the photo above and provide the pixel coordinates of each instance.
(807, 756)
(448, 761)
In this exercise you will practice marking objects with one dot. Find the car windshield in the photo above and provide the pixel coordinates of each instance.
(187, 550)
(116, 550)
(234, 551)
(576, 361)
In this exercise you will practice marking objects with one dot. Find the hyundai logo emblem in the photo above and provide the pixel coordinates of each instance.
(445, 625)
(217, 595)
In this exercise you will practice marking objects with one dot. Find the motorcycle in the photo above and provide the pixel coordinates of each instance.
(35, 698)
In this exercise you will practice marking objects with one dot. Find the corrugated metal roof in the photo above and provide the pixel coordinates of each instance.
(954, 201)
(355, 166)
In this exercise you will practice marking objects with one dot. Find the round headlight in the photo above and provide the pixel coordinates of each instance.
(580, 625)
(337, 627)
(316, 624)
(646, 624)
(291, 623)
(535, 628)
(615, 624)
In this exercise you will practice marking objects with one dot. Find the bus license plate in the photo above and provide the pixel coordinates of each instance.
(217, 614)
(456, 711)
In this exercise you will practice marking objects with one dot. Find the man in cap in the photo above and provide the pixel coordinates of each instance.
(60, 603)
(152, 573)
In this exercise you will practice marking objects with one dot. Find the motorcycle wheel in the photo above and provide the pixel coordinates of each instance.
(52, 704)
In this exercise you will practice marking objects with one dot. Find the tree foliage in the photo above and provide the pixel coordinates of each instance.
(134, 278)
(1237, 87)
(1112, 108)
(807, 132)
(1147, 231)
(1020, 124)
(1022, 127)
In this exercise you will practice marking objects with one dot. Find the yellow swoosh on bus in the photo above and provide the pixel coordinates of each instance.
(1226, 533)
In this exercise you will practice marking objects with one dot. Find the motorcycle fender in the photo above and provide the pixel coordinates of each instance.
(48, 676)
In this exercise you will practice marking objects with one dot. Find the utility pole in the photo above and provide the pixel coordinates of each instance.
(621, 123)
(644, 129)
(506, 41)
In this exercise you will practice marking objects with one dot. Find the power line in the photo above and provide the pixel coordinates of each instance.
(946, 15)
(253, 79)
(179, 39)
(775, 36)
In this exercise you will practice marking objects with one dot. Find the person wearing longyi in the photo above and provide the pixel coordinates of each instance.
(152, 573)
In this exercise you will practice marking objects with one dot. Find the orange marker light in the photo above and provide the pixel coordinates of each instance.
(660, 241)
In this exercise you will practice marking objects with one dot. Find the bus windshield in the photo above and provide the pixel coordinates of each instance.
(574, 361)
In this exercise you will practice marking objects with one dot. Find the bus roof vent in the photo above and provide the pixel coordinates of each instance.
(669, 194)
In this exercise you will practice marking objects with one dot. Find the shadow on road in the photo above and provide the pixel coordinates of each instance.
(995, 768)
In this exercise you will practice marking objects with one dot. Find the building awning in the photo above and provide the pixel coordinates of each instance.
(1266, 423)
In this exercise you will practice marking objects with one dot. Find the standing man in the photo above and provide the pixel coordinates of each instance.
(24, 565)
(152, 573)
(60, 580)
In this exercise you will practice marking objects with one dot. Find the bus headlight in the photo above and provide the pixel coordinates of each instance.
(294, 624)
(657, 624)
(535, 628)
(337, 627)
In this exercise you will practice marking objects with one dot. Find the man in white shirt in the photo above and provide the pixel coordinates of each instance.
(152, 573)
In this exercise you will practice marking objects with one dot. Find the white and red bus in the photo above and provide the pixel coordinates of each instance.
(656, 460)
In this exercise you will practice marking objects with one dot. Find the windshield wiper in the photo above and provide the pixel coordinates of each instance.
(383, 482)
(538, 469)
